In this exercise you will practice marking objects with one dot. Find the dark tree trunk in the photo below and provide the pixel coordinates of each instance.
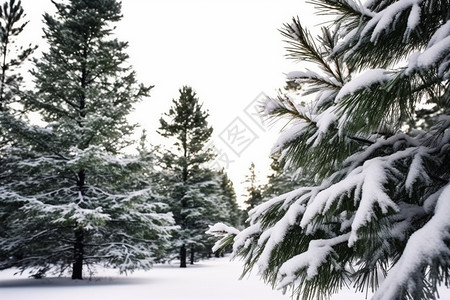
(78, 249)
(192, 254)
(183, 257)
(77, 271)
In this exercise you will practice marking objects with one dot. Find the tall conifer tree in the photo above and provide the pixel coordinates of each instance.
(230, 212)
(191, 185)
(254, 191)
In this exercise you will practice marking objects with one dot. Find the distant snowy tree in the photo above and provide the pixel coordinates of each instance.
(197, 195)
(230, 212)
(377, 218)
(79, 200)
(225, 211)
(253, 189)
(191, 188)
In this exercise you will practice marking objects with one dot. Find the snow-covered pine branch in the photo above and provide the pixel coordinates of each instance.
(379, 203)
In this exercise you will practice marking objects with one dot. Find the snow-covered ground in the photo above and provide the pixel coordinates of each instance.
(215, 279)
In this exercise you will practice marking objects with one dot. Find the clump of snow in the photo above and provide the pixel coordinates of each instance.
(434, 54)
(316, 255)
(297, 128)
(276, 234)
(414, 17)
(271, 105)
(412, 63)
(241, 239)
(323, 123)
(363, 81)
(372, 192)
(348, 36)
(440, 34)
(382, 21)
(300, 74)
(311, 75)
(416, 170)
(438, 48)
(425, 245)
(221, 228)
(325, 96)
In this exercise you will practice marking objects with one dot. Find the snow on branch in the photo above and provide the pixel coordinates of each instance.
(219, 229)
(90, 218)
(381, 183)
(311, 260)
(314, 78)
(296, 130)
(397, 142)
(437, 53)
(426, 247)
(363, 81)
(417, 170)
(382, 21)
(226, 234)
(367, 184)
(275, 235)
(244, 237)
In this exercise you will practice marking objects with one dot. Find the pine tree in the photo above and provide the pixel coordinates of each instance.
(380, 206)
(192, 186)
(70, 179)
(254, 196)
(230, 212)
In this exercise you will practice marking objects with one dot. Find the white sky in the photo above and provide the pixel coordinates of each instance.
(229, 51)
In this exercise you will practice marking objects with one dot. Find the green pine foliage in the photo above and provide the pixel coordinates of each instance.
(230, 213)
(80, 201)
(377, 217)
(188, 125)
(254, 190)
(198, 196)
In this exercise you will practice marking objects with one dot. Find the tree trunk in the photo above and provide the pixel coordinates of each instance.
(77, 270)
(78, 249)
(192, 255)
(183, 257)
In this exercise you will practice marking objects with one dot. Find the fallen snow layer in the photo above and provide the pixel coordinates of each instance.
(215, 279)
(207, 280)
